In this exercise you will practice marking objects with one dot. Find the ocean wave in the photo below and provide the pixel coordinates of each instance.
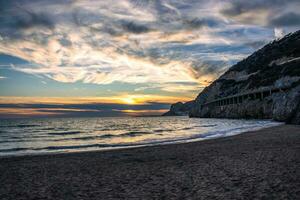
(48, 129)
(101, 145)
(187, 128)
(74, 147)
(65, 133)
(207, 125)
(77, 135)
(70, 147)
(13, 150)
(93, 137)
(134, 133)
(49, 148)
(19, 126)
(162, 130)
(107, 136)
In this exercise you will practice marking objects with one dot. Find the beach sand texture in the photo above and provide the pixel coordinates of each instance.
(255, 165)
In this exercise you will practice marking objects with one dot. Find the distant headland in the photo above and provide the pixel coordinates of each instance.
(266, 85)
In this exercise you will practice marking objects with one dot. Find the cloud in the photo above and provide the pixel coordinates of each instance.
(186, 87)
(287, 19)
(133, 27)
(256, 44)
(204, 22)
(29, 19)
(138, 42)
(238, 7)
(17, 17)
(263, 12)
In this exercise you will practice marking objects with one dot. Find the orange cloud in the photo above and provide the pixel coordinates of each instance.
(121, 99)
(40, 111)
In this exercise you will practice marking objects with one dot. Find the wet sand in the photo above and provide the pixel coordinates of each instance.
(263, 164)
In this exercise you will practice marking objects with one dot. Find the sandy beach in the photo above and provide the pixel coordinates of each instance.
(255, 165)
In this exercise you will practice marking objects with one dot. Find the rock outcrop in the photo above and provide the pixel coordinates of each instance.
(180, 109)
(266, 85)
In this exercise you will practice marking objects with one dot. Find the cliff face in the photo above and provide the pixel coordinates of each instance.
(266, 85)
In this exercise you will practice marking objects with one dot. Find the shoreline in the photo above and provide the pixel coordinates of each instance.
(153, 144)
(256, 164)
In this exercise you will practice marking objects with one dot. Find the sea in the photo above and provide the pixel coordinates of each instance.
(62, 135)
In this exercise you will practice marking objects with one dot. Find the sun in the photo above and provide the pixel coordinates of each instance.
(129, 100)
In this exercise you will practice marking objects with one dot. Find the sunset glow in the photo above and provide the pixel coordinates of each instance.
(129, 100)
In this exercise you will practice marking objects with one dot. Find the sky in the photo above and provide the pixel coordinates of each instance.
(125, 57)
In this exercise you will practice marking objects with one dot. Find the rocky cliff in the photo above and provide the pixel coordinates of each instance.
(265, 85)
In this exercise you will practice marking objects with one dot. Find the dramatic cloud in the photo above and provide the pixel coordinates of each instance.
(132, 27)
(288, 19)
(168, 44)
(263, 12)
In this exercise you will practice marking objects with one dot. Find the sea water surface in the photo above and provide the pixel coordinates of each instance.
(35, 136)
